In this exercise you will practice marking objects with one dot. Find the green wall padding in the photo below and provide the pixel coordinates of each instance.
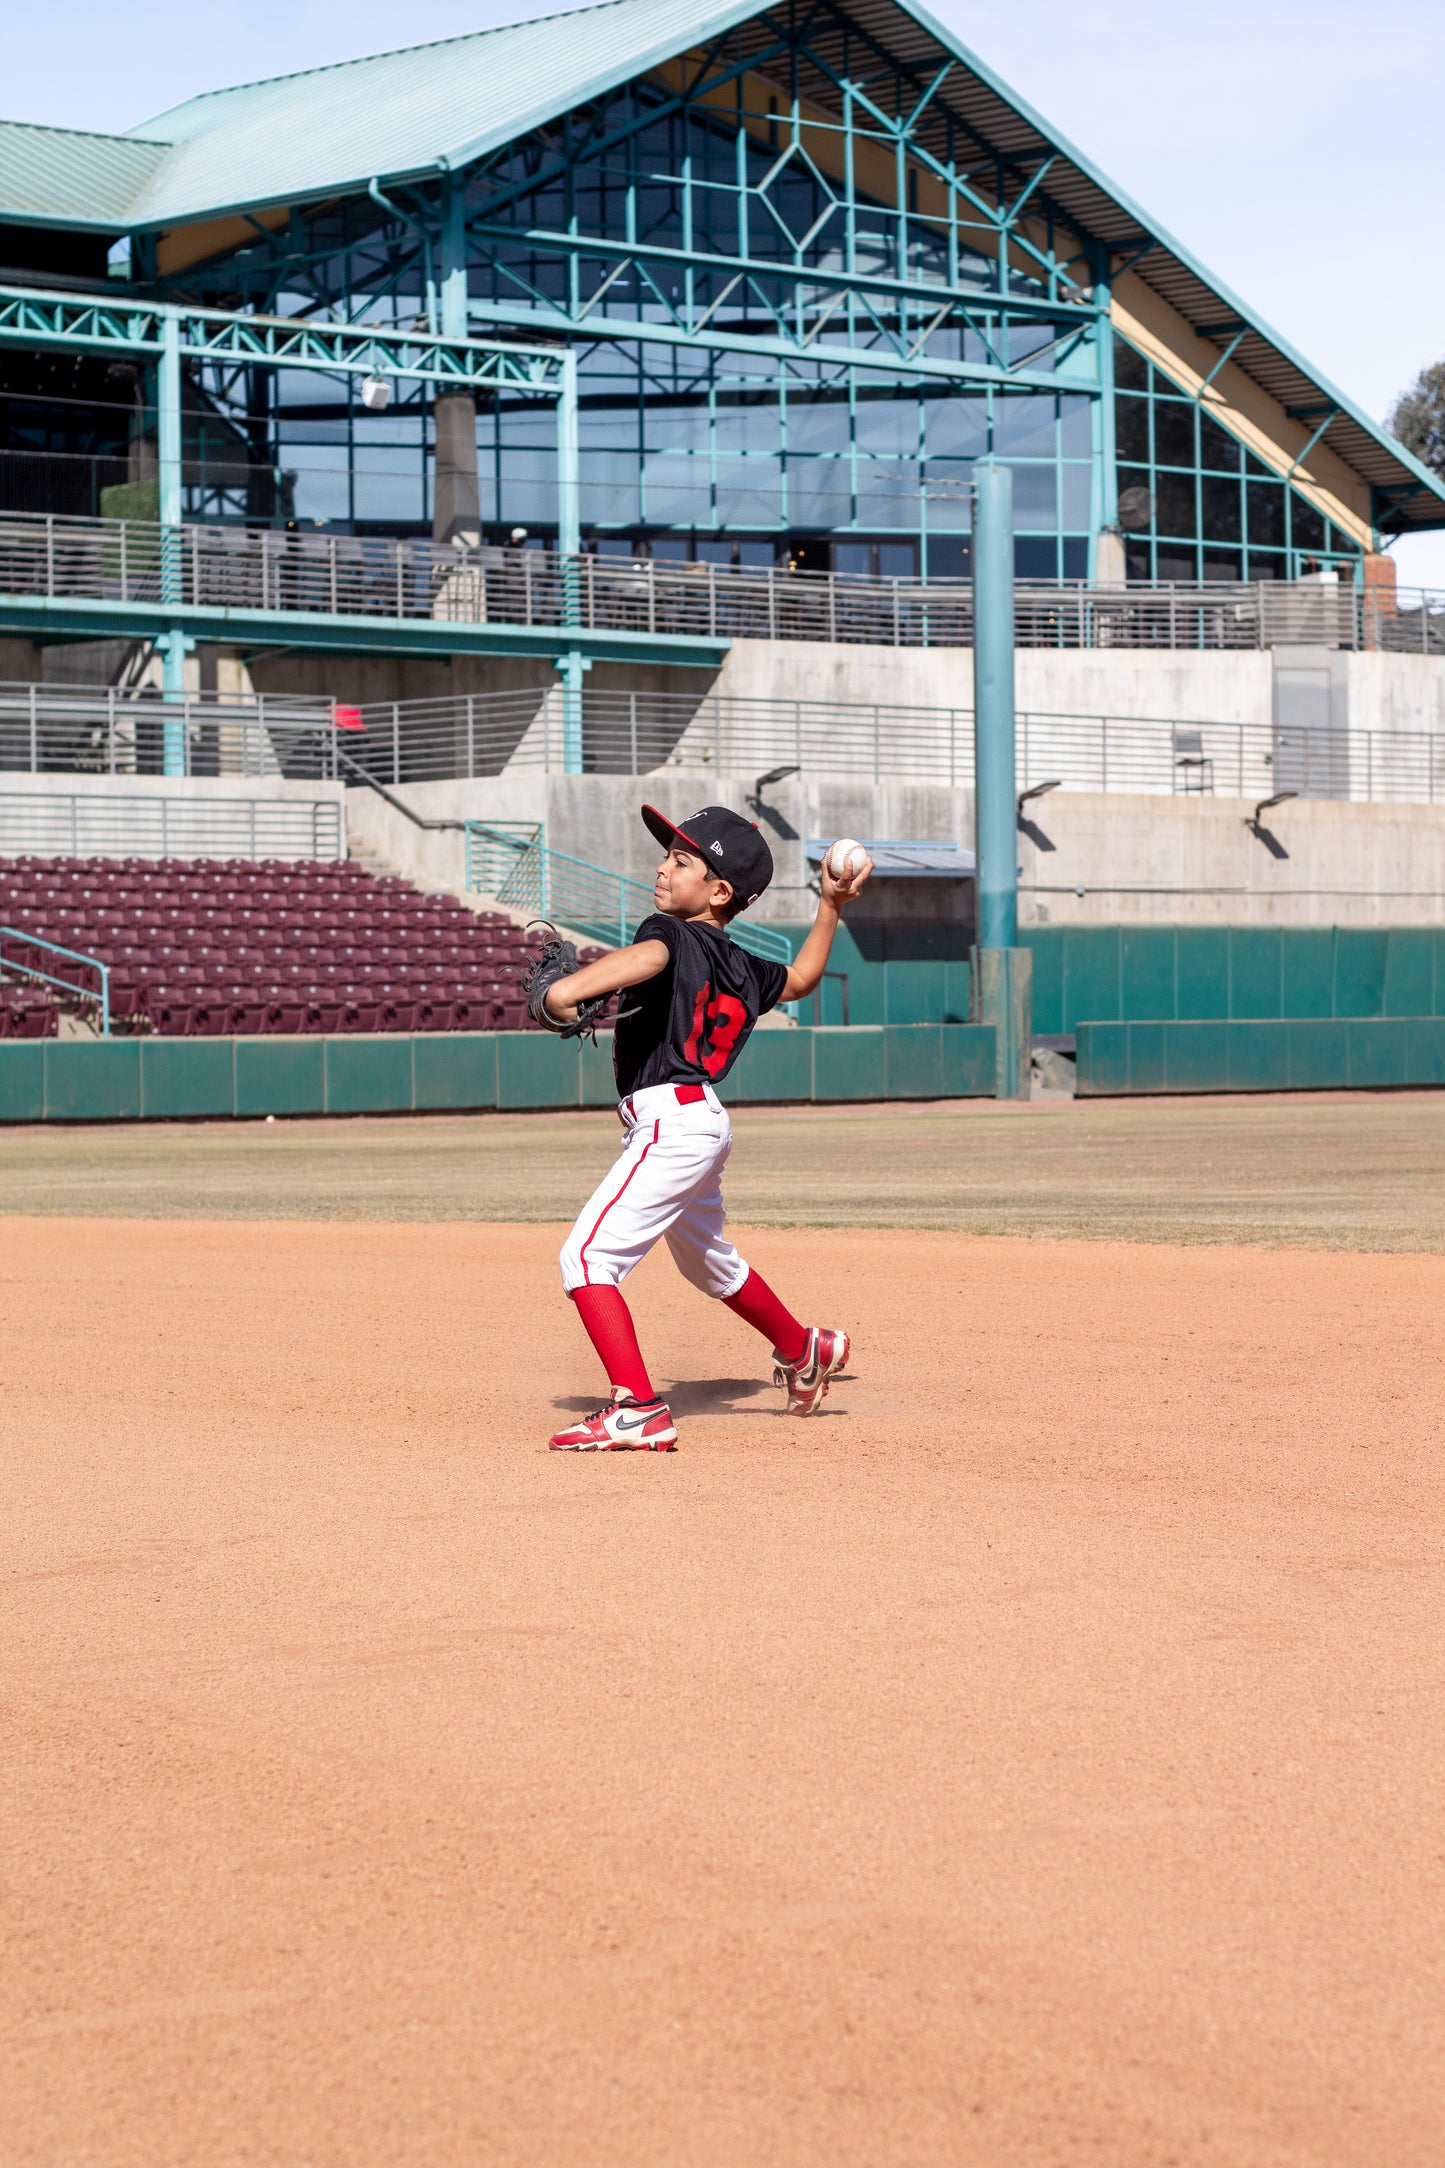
(1236, 974)
(902, 973)
(1268, 1055)
(74, 1080)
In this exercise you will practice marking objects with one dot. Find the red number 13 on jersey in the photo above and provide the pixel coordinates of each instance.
(716, 1023)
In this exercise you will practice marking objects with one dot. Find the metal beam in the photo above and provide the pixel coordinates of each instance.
(35, 318)
(44, 617)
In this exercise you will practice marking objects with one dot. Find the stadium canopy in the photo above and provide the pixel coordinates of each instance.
(434, 109)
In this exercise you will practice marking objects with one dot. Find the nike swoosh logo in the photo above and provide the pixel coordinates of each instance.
(620, 1423)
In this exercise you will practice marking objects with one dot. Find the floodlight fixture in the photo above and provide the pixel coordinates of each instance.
(1038, 790)
(375, 393)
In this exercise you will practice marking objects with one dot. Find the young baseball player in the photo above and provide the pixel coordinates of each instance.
(695, 997)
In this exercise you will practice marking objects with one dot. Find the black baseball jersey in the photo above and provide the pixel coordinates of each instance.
(693, 1019)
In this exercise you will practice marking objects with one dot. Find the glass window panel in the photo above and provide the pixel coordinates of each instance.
(818, 425)
(1136, 502)
(1131, 371)
(1036, 557)
(528, 487)
(756, 556)
(677, 492)
(1222, 565)
(608, 429)
(956, 426)
(889, 487)
(609, 488)
(323, 489)
(1264, 502)
(1076, 427)
(820, 492)
(749, 492)
(1221, 510)
(948, 558)
(854, 558)
(1217, 448)
(750, 428)
(1175, 563)
(1173, 434)
(1076, 493)
(1131, 428)
(1076, 557)
(1174, 507)
(1307, 527)
(677, 428)
(1266, 568)
(897, 560)
(1036, 497)
(887, 426)
(1024, 425)
(948, 495)
(1027, 340)
(389, 484)
(714, 553)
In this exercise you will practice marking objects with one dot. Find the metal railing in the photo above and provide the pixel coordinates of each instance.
(110, 730)
(132, 824)
(23, 949)
(510, 860)
(474, 736)
(235, 568)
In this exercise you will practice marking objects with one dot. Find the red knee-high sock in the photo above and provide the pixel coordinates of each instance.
(756, 1302)
(609, 1326)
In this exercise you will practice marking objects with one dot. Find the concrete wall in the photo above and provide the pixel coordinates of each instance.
(1139, 859)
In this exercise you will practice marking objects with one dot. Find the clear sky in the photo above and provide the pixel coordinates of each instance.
(1298, 152)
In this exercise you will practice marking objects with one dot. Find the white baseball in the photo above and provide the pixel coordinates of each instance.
(846, 858)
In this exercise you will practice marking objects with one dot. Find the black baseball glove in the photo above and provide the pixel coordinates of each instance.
(557, 959)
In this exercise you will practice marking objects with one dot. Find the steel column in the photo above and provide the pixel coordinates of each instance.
(569, 502)
(1002, 970)
(174, 646)
(572, 668)
(993, 704)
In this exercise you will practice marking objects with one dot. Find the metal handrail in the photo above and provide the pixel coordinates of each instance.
(233, 567)
(69, 986)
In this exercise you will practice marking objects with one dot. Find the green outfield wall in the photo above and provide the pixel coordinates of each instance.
(126, 1080)
(900, 972)
(1290, 1054)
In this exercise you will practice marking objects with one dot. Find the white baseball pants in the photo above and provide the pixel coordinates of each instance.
(668, 1183)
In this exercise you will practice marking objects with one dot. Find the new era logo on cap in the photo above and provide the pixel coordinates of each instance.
(716, 848)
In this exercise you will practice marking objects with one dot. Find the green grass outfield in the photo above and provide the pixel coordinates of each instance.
(1348, 1171)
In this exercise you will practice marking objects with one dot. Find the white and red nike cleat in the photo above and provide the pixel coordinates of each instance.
(806, 1380)
(625, 1425)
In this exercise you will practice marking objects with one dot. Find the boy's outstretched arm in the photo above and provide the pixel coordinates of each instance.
(621, 967)
(811, 961)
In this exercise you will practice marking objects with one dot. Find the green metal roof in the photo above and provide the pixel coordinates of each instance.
(330, 130)
(68, 177)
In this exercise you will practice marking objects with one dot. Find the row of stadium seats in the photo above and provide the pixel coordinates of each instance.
(196, 947)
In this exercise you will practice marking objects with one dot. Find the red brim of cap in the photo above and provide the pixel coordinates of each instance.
(667, 831)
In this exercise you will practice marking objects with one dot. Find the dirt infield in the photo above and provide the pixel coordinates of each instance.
(1036, 1761)
(1357, 1170)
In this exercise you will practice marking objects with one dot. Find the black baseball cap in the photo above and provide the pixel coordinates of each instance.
(725, 841)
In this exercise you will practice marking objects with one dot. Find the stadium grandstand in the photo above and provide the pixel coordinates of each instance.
(386, 448)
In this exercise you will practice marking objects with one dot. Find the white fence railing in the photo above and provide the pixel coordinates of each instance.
(45, 730)
(133, 824)
(237, 568)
